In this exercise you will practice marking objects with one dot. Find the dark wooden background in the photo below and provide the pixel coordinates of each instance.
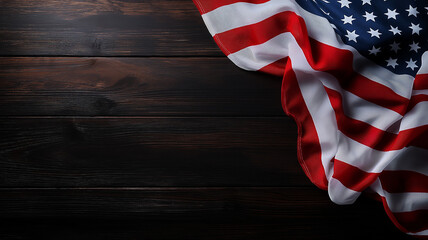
(123, 120)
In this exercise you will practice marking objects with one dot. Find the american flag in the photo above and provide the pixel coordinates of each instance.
(355, 79)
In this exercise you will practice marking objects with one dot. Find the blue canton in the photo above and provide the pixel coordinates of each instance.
(391, 33)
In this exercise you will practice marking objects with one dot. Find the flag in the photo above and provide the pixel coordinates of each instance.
(355, 80)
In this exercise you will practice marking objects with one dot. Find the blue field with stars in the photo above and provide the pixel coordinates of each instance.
(391, 33)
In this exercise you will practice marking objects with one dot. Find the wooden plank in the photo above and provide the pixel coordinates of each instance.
(189, 213)
(55, 152)
(103, 28)
(150, 202)
(135, 86)
(329, 227)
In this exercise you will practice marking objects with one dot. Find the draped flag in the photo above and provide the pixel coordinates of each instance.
(355, 79)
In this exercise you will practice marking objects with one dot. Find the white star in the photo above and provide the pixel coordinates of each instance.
(392, 62)
(374, 33)
(369, 16)
(344, 3)
(415, 28)
(369, 2)
(412, 11)
(395, 46)
(414, 46)
(411, 64)
(374, 51)
(347, 19)
(391, 13)
(395, 30)
(352, 36)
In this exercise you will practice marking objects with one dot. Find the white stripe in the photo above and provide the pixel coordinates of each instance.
(420, 92)
(424, 66)
(348, 151)
(340, 194)
(332, 145)
(332, 142)
(320, 29)
(370, 113)
(324, 119)
(377, 187)
(240, 14)
(400, 84)
(411, 159)
(319, 106)
(258, 56)
(359, 108)
(416, 117)
(362, 156)
(401, 202)
(421, 233)
(406, 202)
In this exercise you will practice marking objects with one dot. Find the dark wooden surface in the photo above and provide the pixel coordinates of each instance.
(123, 120)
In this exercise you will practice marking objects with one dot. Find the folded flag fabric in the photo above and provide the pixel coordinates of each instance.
(355, 79)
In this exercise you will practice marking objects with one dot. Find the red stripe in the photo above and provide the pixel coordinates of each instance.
(353, 177)
(308, 147)
(421, 82)
(413, 221)
(205, 6)
(276, 68)
(321, 57)
(399, 181)
(373, 137)
(392, 217)
(350, 176)
(339, 63)
(415, 100)
(412, 137)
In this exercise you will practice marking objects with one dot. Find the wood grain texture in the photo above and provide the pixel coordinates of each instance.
(121, 119)
(135, 87)
(242, 202)
(329, 227)
(103, 28)
(190, 213)
(58, 152)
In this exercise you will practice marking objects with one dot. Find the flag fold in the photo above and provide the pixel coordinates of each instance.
(355, 79)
